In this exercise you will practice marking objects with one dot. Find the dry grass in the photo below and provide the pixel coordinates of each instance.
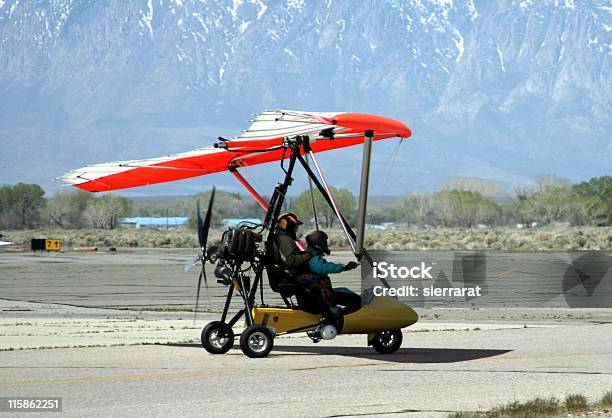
(575, 403)
(539, 407)
(120, 237)
(537, 239)
(507, 239)
(606, 399)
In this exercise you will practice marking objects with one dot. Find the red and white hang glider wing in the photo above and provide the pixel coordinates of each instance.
(260, 143)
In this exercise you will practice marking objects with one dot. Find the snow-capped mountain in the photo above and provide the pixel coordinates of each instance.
(493, 89)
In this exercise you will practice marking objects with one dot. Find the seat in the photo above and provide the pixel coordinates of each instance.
(281, 282)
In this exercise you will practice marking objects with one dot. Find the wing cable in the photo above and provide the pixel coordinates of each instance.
(312, 197)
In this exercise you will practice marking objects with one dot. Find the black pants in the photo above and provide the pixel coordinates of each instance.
(318, 295)
(345, 297)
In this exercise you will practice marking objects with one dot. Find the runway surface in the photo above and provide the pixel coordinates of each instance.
(436, 372)
(451, 360)
(128, 279)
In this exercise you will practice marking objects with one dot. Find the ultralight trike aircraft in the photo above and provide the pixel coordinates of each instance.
(248, 250)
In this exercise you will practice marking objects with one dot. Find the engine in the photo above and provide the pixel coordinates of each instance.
(241, 244)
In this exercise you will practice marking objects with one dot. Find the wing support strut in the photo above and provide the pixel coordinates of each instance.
(249, 188)
(363, 190)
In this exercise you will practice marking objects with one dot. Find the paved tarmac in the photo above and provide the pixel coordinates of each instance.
(452, 359)
(436, 372)
(127, 279)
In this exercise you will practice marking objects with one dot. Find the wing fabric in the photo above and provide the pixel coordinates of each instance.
(260, 143)
(124, 174)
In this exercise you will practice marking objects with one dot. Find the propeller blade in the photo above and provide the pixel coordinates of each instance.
(204, 275)
(207, 218)
(203, 227)
(201, 241)
(192, 262)
(195, 312)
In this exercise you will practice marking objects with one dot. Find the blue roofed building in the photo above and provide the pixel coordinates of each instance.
(171, 222)
(235, 221)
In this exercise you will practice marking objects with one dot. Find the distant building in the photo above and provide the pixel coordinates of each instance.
(236, 221)
(155, 222)
(383, 226)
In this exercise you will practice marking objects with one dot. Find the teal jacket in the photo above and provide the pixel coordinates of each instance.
(319, 265)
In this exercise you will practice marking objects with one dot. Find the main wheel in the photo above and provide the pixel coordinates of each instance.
(256, 341)
(387, 342)
(215, 343)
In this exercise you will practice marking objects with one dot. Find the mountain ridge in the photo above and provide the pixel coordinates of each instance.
(501, 90)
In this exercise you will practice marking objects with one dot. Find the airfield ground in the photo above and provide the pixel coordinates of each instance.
(129, 347)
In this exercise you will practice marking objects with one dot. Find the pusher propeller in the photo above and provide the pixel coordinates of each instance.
(203, 227)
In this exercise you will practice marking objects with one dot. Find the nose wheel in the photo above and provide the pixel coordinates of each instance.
(217, 337)
(387, 342)
(256, 341)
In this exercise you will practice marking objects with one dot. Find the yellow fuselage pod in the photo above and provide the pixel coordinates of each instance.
(382, 313)
(283, 320)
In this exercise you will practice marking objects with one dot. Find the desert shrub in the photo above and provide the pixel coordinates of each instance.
(502, 239)
(534, 408)
(576, 402)
(561, 241)
(606, 399)
(162, 241)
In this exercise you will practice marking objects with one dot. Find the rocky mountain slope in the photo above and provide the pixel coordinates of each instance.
(502, 90)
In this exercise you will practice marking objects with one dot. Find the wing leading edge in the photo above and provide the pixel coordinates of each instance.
(258, 144)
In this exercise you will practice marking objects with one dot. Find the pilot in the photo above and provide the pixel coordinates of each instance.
(291, 256)
(319, 269)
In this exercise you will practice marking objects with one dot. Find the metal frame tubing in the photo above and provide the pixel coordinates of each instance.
(363, 190)
(249, 188)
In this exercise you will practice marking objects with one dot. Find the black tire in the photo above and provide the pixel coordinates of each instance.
(256, 341)
(211, 340)
(387, 342)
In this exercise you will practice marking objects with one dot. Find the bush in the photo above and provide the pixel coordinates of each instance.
(534, 408)
(576, 402)
(449, 239)
(606, 399)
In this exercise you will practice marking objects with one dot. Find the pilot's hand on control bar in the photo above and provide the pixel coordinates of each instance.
(351, 265)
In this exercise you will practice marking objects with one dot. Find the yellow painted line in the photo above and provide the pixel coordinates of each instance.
(524, 357)
(170, 375)
(120, 378)
(505, 273)
(255, 370)
(343, 366)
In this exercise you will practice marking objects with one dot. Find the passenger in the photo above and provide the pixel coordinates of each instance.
(318, 276)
